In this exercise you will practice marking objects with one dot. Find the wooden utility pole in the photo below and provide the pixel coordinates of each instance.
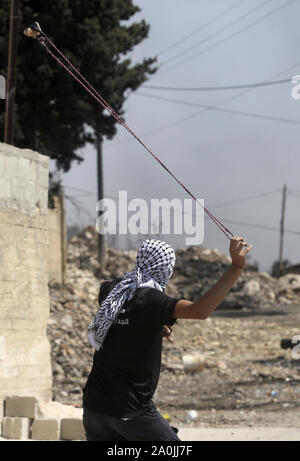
(11, 72)
(101, 249)
(63, 236)
(282, 229)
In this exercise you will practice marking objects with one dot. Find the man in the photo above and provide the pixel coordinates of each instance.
(127, 337)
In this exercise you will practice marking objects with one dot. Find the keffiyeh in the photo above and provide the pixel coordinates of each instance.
(154, 266)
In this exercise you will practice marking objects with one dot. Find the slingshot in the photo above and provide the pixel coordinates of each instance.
(35, 31)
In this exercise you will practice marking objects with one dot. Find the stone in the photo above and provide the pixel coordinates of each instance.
(193, 362)
(21, 406)
(72, 429)
(221, 365)
(269, 294)
(251, 287)
(15, 428)
(1, 410)
(45, 429)
(67, 321)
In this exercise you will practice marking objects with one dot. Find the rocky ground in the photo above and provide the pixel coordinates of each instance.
(229, 368)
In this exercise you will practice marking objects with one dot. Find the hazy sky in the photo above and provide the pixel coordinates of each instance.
(220, 156)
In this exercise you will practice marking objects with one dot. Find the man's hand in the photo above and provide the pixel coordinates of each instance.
(167, 331)
(238, 250)
(215, 295)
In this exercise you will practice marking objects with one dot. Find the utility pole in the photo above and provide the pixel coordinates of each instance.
(101, 249)
(282, 229)
(11, 72)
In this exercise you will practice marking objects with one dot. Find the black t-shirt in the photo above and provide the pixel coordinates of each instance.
(125, 371)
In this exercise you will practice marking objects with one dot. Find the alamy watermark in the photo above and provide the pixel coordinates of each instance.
(2, 87)
(160, 216)
(296, 348)
(296, 87)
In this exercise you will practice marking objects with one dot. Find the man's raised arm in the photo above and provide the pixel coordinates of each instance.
(215, 295)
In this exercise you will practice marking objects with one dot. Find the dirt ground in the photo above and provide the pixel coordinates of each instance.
(247, 379)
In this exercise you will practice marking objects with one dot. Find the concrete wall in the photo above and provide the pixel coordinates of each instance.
(25, 364)
(57, 241)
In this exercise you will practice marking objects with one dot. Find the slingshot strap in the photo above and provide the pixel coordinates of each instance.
(42, 38)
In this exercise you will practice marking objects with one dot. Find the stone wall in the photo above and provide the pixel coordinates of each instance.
(57, 241)
(25, 365)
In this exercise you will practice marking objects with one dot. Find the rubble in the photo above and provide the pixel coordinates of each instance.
(196, 270)
(193, 362)
(27, 418)
(192, 415)
(226, 349)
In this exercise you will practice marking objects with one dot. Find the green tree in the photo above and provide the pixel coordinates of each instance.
(54, 114)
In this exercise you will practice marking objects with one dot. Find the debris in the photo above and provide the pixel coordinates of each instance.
(192, 415)
(272, 393)
(221, 365)
(251, 287)
(193, 362)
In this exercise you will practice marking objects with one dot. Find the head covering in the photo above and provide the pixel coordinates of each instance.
(154, 266)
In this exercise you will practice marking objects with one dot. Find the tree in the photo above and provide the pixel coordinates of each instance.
(54, 114)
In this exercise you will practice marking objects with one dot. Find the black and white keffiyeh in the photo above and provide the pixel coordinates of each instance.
(154, 266)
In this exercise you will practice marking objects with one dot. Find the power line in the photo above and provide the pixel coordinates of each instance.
(240, 200)
(252, 197)
(222, 29)
(269, 228)
(90, 193)
(242, 223)
(258, 226)
(252, 24)
(220, 109)
(94, 93)
(203, 26)
(294, 192)
(79, 207)
(193, 214)
(219, 88)
(80, 190)
(196, 114)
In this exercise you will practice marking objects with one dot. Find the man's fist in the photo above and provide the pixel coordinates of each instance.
(238, 250)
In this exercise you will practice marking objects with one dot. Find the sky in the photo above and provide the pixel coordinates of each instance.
(236, 157)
